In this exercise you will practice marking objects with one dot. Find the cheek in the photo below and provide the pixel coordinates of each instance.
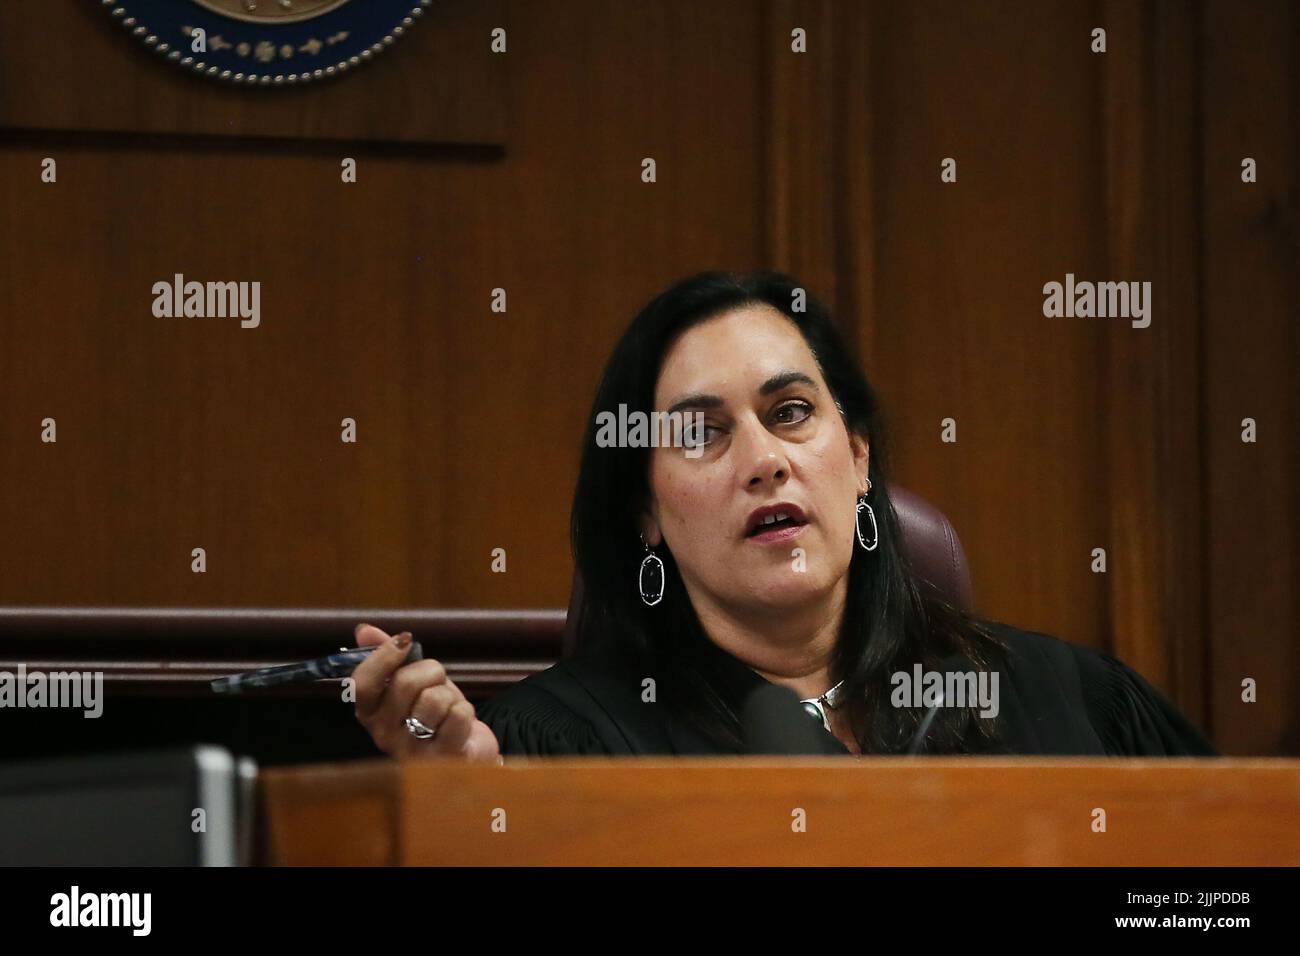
(690, 505)
(834, 485)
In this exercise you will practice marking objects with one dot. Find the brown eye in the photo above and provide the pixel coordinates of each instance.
(695, 435)
(792, 413)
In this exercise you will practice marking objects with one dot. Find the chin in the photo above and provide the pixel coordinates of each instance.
(786, 590)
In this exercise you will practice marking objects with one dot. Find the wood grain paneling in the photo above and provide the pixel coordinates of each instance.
(1251, 248)
(957, 329)
(816, 141)
(966, 811)
(175, 434)
(1149, 384)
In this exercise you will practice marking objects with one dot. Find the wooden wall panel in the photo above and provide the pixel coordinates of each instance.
(957, 330)
(817, 151)
(1150, 386)
(182, 433)
(1251, 245)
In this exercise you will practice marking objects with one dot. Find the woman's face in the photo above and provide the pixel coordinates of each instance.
(774, 439)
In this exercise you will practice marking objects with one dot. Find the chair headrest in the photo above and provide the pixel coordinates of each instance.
(932, 547)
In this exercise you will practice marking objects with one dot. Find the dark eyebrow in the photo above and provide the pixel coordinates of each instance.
(781, 379)
(774, 384)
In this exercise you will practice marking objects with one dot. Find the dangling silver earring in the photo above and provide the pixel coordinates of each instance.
(650, 579)
(868, 542)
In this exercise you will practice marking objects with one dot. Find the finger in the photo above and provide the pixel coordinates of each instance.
(371, 677)
(406, 686)
(455, 729)
(482, 744)
(433, 705)
(368, 634)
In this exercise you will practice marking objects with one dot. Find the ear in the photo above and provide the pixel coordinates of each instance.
(861, 458)
(649, 520)
(650, 529)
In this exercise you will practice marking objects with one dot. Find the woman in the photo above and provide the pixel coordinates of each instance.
(761, 551)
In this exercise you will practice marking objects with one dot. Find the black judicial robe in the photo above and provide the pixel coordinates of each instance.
(1055, 698)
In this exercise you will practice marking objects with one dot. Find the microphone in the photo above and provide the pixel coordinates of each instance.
(953, 662)
(775, 722)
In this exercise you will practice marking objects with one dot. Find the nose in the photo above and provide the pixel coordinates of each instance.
(761, 457)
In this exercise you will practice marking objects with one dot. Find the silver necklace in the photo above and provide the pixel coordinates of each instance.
(816, 706)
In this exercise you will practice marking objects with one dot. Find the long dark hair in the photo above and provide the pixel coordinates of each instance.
(892, 618)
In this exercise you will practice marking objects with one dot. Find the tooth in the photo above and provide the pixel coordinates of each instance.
(781, 516)
(770, 519)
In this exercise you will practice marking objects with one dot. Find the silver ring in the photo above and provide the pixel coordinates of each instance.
(416, 728)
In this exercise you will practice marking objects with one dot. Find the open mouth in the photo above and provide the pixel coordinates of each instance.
(773, 523)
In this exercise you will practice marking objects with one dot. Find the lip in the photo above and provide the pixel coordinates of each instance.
(776, 534)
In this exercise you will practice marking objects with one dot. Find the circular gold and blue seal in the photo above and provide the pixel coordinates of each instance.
(267, 42)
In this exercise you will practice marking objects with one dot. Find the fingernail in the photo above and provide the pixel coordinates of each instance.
(402, 641)
(356, 631)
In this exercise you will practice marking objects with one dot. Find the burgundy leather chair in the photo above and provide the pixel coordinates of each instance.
(929, 541)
